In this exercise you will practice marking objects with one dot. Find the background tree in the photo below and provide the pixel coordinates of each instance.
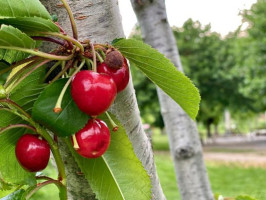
(183, 136)
(210, 61)
(251, 56)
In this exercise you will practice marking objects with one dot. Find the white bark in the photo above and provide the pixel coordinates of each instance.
(184, 140)
(101, 22)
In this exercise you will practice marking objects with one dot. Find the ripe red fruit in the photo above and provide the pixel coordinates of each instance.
(93, 139)
(32, 152)
(93, 92)
(120, 76)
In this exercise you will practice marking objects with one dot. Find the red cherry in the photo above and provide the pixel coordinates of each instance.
(32, 152)
(93, 139)
(120, 76)
(93, 92)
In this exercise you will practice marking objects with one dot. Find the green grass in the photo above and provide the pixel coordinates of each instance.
(230, 181)
(226, 180)
(159, 141)
(218, 149)
(165, 170)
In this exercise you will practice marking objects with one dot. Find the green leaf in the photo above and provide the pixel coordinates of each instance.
(29, 16)
(2, 92)
(12, 37)
(66, 123)
(31, 85)
(3, 65)
(4, 193)
(23, 8)
(31, 24)
(118, 174)
(27, 92)
(162, 72)
(3, 71)
(244, 197)
(17, 195)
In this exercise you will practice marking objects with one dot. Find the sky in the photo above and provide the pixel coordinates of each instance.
(223, 15)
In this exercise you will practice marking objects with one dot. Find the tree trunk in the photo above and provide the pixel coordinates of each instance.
(182, 131)
(216, 130)
(99, 20)
(209, 134)
(227, 119)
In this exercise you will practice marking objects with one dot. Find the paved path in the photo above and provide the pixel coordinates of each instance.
(250, 152)
(243, 159)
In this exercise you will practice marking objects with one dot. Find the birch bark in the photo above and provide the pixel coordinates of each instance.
(184, 139)
(100, 20)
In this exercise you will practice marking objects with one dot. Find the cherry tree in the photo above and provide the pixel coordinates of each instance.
(55, 93)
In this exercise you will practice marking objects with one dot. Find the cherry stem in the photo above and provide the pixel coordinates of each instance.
(14, 105)
(60, 28)
(72, 70)
(44, 178)
(102, 53)
(40, 185)
(6, 109)
(54, 148)
(66, 37)
(17, 126)
(49, 39)
(65, 68)
(58, 108)
(26, 75)
(52, 69)
(20, 72)
(75, 142)
(72, 20)
(94, 66)
(32, 58)
(89, 63)
(113, 124)
(38, 53)
(18, 63)
(99, 57)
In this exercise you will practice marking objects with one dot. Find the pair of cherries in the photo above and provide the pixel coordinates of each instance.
(94, 92)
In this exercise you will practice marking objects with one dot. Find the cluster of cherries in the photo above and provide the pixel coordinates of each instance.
(93, 92)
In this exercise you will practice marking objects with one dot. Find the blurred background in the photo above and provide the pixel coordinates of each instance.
(222, 45)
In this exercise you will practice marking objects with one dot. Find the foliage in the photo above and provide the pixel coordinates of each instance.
(229, 71)
(14, 38)
(252, 57)
(145, 91)
(162, 72)
(208, 60)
